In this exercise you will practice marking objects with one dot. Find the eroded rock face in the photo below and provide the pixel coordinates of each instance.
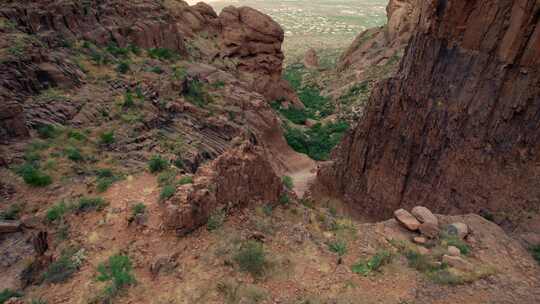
(254, 40)
(237, 178)
(458, 128)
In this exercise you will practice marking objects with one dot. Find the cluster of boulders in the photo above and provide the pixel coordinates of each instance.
(423, 221)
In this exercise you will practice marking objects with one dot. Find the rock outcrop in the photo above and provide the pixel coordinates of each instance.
(458, 128)
(235, 179)
(254, 40)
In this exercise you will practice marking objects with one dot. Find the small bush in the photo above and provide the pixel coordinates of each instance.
(103, 173)
(128, 100)
(103, 184)
(419, 261)
(11, 213)
(339, 247)
(166, 177)
(56, 212)
(156, 70)
(380, 259)
(118, 272)
(123, 67)
(157, 164)
(47, 131)
(76, 135)
(162, 54)
(138, 208)
(87, 204)
(197, 94)
(107, 138)
(251, 258)
(117, 51)
(7, 294)
(215, 221)
(284, 199)
(167, 192)
(288, 182)
(33, 176)
(452, 240)
(61, 270)
(318, 141)
(73, 154)
(185, 180)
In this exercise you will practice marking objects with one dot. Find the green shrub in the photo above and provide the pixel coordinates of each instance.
(11, 213)
(56, 212)
(87, 204)
(162, 54)
(338, 246)
(117, 51)
(76, 135)
(316, 105)
(38, 301)
(284, 199)
(105, 172)
(167, 192)
(138, 208)
(318, 141)
(61, 270)
(215, 221)
(156, 69)
(103, 184)
(267, 209)
(47, 131)
(33, 176)
(118, 272)
(185, 180)
(157, 164)
(73, 154)
(128, 100)
(107, 138)
(297, 116)
(166, 178)
(288, 182)
(197, 94)
(7, 294)
(251, 258)
(122, 67)
(380, 259)
(453, 240)
(535, 251)
(419, 261)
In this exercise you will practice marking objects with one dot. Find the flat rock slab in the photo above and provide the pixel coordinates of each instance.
(424, 215)
(9, 226)
(408, 220)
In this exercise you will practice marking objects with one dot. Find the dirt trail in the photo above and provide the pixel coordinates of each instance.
(303, 178)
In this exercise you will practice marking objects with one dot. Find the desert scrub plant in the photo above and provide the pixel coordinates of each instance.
(374, 263)
(117, 271)
(215, 221)
(167, 177)
(196, 93)
(78, 136)
(73, 154)
(284, 199)
(87, 204)
(128, 100)
(338, 246)
(453, 240)
(33, 176)
(318, 141)
(251, 258)
(138, 208)
(107, 138)
(162, 54)
(157, 164)
(184, 180)
(62, 269)
(12, 212)
(287, 182)
(56, 212)
(51, 94)
(47, 131)
(167, 192)
(123, 67)
(105, 179)
(7, 294)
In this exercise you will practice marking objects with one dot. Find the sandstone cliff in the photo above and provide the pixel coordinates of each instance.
(458, 128)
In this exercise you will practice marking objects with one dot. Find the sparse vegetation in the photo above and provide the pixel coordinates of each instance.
(338, 246)
(284, 199)
(287, 182)
(73, 154)
(117, 271)
(215, 221)
(374, 263)
(167, 192)
(535, 251)
(12, 212)
(138, 208)
(452, 240)
(56, 212)
(252, 258)
(33, 176)
(107, 138)
(47, 131)
(197, 94)
(128, 100)
(123, 67)
(87, 204)
(184, 180)
(162, 54)
(105, 179)
(157, 164)
(62, 269)
(7, 294)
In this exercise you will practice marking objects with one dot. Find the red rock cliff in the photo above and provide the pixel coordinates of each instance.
(458, 128)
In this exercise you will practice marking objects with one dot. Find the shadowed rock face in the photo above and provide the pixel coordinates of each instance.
(458, 129)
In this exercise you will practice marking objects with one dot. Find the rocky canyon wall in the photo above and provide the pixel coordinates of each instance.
(458, 128)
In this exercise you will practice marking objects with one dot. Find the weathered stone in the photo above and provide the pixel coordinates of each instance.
(429, 230)
(423, 250)
(424, 215)
(405, 218)
(9, 226)
(458, 229)
(454, 251)
(457, 262)
(311, 60)
(419, 240)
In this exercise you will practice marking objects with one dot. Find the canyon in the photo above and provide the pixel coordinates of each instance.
(167, 152)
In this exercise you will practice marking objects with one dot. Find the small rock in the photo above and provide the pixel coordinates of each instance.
(459, 229)
(424, 215)
(310, 122)
(454, 251)
(423, 250)
(457, 262)
(9, 226)
(311, 60)
(429, 230)
(407, 219)
(419, 240)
